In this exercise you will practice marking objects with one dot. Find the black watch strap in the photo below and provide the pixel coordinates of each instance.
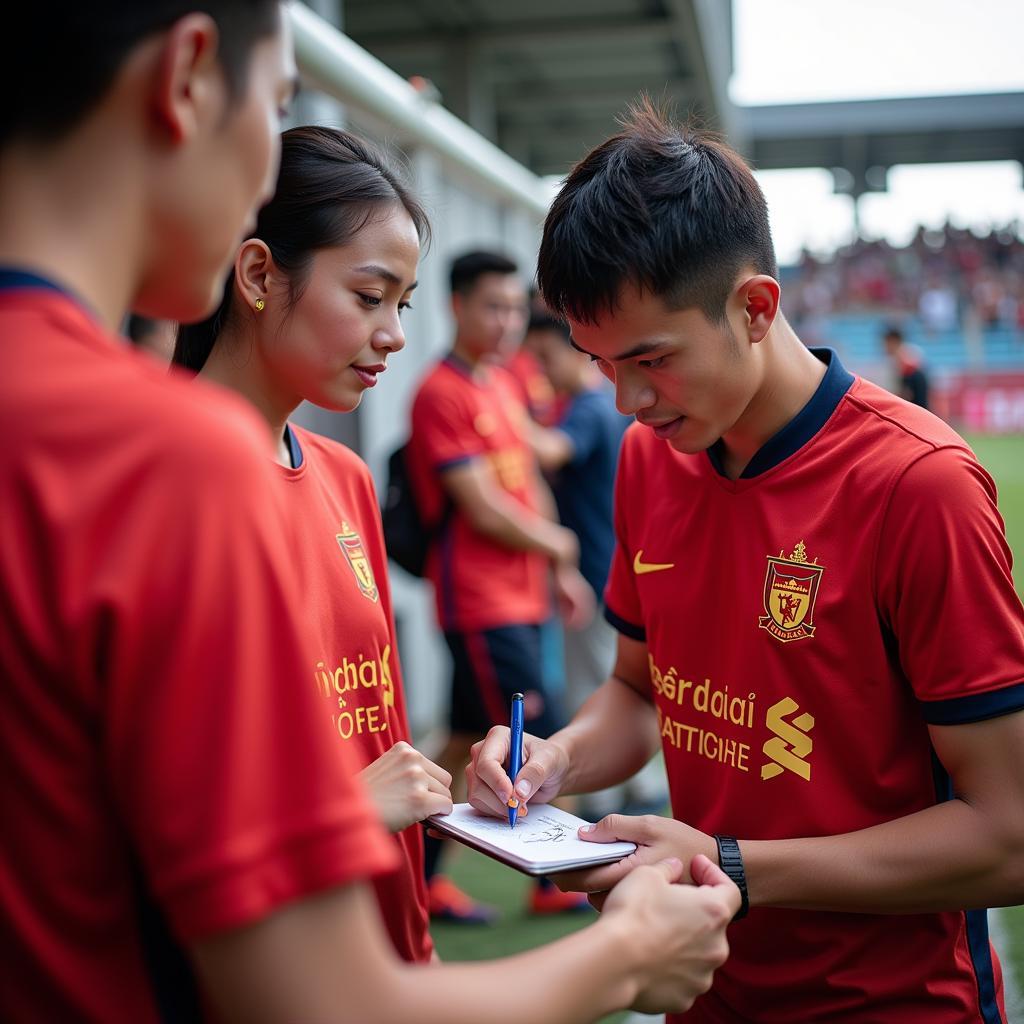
(731, 862)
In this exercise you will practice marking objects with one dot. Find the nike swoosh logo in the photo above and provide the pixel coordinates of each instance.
(640, 567)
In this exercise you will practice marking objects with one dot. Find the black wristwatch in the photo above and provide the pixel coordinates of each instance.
(731, 862)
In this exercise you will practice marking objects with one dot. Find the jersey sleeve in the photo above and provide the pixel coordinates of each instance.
(443, 427)
(621, 599)
(235, 794)
(946, 592)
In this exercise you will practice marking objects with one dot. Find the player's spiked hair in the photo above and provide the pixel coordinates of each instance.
(662, 206)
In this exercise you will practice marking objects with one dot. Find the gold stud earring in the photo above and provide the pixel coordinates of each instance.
(259, 305)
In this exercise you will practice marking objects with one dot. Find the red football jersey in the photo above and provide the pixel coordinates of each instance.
(350, 628)
(456, 416)
(156, 786)
(804, 624)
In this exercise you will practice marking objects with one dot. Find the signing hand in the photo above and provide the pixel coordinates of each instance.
(489, 787)
(683, 928)
(407, 787)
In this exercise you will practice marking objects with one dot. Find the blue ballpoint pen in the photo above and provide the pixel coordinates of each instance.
(515, 754)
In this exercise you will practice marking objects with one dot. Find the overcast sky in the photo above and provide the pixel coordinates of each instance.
(798, 51)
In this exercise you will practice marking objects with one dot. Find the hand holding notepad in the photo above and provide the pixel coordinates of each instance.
(543, 843)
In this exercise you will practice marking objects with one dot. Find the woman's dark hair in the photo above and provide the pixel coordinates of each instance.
(661, 206)
(329, 186)
(65, 54)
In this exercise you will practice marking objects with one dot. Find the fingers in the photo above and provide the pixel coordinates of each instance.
(671, 869)
(488, 768)
(540, 766)
(708, 874)
(614, 827)
(482, 797)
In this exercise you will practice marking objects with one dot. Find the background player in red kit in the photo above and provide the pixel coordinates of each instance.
(815, 607)
(174, 831)
(497, 547)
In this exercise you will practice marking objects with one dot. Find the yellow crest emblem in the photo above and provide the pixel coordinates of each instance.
(352, 545)
(790, 591)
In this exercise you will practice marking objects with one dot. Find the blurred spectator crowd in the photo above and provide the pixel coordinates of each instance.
(946, 278)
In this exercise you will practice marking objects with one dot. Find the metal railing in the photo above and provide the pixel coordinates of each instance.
(334, 64)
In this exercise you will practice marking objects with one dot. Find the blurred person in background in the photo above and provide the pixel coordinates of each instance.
(493, 561)
(911, 378)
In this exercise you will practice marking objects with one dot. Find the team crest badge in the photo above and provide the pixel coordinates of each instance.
(790, 590)
(352, 544)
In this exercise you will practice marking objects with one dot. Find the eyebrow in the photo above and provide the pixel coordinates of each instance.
(389, 276)
(637, 350)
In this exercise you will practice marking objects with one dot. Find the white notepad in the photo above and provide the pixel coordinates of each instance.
(542, 843)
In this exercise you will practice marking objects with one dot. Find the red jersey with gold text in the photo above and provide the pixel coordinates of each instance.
(350, 628)
(805, 624)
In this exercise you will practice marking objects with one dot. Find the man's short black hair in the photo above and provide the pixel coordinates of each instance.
(664, 207)
(892, 331)
(540, 321)
(468, 268)
(64, 55)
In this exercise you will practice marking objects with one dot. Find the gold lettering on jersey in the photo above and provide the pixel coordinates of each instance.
(790, 745)
(704, 742)
(790, 591)
(352, 545)
(711, 700)
(509, 466)
(349, 681)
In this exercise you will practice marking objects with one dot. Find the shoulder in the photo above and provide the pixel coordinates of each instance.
(912, 429)
(335, 462)
(326, 451)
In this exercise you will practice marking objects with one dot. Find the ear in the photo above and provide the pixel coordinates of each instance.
(456, 304)
(760, 298)
(189, 81)
(254, 266)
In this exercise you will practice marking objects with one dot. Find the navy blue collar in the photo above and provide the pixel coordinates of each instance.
(293, 446)
(802, 427)
(12, 277)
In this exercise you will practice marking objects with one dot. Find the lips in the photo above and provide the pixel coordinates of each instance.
(664, 429)
(368, 374)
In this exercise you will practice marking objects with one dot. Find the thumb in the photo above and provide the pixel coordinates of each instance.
(671, 869)
(706, 872)
(531, 777)
(610, 829)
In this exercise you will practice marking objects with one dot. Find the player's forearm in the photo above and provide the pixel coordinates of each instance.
(578, 979)
(611, 738)
(552, 448)
(514, 526)
(947, 857)
(328, 958)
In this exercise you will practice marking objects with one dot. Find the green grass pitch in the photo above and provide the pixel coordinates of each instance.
(489, 881)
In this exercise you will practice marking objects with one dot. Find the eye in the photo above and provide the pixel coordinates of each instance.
(403, 306)
(373, 301)
(651, 364)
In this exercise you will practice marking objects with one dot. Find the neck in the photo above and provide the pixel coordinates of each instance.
(75, 219)
(235, 363)
(790, 375)
(464, 352)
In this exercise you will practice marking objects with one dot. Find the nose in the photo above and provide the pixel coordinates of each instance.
(632, 392)
(390, 338)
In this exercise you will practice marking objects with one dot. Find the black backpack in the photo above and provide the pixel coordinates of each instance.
(407, 536)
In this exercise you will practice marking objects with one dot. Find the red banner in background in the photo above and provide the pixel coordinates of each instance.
(984, 403)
